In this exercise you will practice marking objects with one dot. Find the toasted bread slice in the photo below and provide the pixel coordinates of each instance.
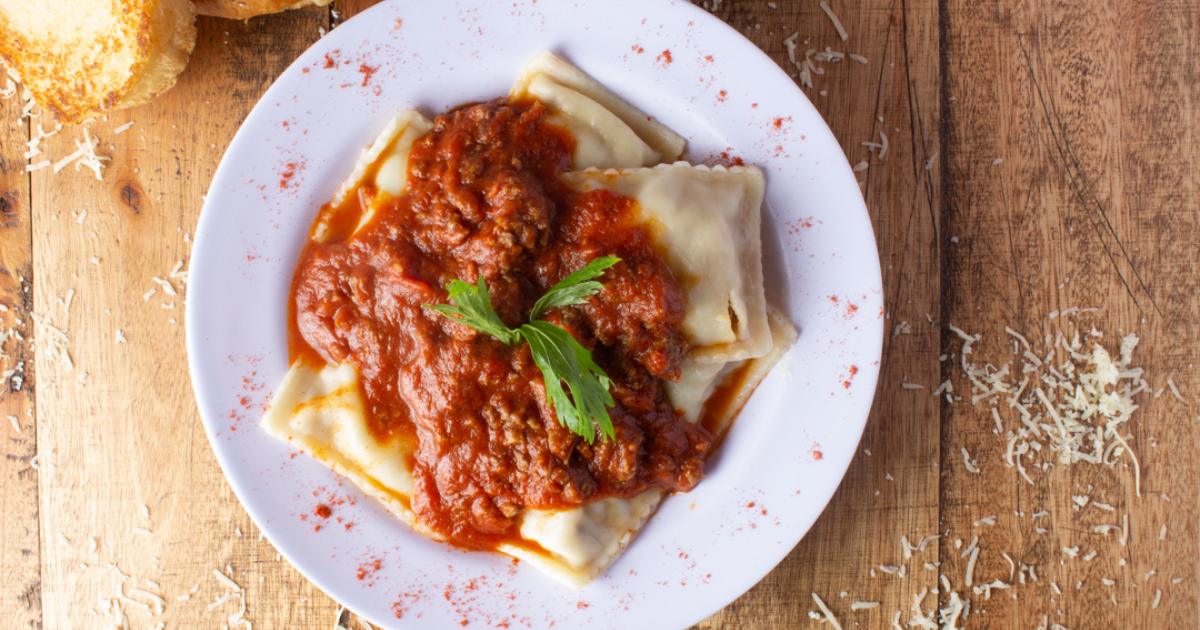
(81, 57)
(242, 9)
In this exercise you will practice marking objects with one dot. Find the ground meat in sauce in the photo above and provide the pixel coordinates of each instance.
(484, 198)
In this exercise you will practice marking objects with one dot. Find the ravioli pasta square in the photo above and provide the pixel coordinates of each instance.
(609, 133)
(706, 219)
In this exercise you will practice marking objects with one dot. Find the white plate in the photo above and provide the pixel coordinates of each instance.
(786, 453)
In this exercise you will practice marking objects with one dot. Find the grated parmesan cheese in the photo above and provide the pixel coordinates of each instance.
(881, 146)
(968, 463)
(828, 614)
(1012, 566)
(837, 22)
(1175, 390)
(969, 575)
(1071, 402)
(84, 155)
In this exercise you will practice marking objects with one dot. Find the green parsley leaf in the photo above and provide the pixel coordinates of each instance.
(575, 288)
(555, 352)
(473, 307)
(562, 359)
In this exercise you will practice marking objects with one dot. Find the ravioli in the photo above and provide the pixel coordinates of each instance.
(609, 133)
(319, 409)
(704, 220)
(707, 220)
(383, 166)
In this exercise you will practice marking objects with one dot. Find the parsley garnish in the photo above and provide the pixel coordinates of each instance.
(556, 353)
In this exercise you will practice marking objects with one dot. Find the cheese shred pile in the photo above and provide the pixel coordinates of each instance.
(84, 155)
(1065, 401)
(1059, 398)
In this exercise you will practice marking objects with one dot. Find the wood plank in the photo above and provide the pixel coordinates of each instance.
(20, 582)
(120, 428)
(346, 9)
(1090, 108)
(892, 492)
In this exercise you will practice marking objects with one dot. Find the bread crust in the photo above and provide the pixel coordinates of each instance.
(81, 57)
(242, 9)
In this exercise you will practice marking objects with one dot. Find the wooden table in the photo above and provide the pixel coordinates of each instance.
(1041, 156)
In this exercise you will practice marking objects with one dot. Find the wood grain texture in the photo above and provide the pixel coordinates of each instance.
(893, 491)
(120, 429)
(1091, 110)
(1067, 186)
(20, 582)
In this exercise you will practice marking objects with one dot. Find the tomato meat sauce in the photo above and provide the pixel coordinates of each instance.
(484, 199)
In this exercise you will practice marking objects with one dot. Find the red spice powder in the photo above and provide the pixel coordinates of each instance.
(708, 58)
(664, 57)
(637, 49)
(582, 605)
(331, 60)
(367, 72)
(288, 173)
(323, 511)
(851, 309)
(853, 370)
(750, 505)
(405, 600)
(726, 158)
(722, 95)
(367, 570)
(796, 226)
